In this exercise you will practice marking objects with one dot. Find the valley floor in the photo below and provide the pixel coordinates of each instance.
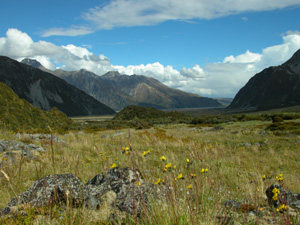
(229, 162)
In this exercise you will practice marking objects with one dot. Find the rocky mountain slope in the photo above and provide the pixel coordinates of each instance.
(45, 90)
(274, 87)
(119, 91)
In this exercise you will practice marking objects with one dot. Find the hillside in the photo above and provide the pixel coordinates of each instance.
(274, 87)
(18, 114)
(45, 90)
(150, 92)
(118, 91)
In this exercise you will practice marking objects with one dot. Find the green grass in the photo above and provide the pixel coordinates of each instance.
(236, 156)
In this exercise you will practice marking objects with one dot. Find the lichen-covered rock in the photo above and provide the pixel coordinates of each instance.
(116, 177)
(93, 195)
(110, 193)
(10, 150)
(52, 189)
(133, 194)
(283, 197)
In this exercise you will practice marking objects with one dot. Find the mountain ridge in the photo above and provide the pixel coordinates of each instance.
(45, 90)
(274, 87)
(119, 91)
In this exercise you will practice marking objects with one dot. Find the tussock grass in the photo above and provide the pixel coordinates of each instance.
(236, 157)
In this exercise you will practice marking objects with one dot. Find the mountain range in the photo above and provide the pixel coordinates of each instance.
(45, 90)
(274, 87)
(118, 91)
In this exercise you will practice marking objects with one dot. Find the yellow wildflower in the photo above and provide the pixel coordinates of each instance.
(163, 158)
(168, 166)
(174, 167)
(190, 186)
(179, 177)
(113, 165)
(138, 183)
(187, 160)
(193, 175)
(146, 153)
(264, 177)
(203, 170)
(275, 192)
(158, 181)
(281, 208)
(279, 177)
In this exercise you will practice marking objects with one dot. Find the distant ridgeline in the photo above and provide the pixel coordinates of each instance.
(18, 114)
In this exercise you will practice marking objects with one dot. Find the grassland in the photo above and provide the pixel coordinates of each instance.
(234, 155)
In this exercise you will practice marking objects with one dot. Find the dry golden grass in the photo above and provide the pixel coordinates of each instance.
(236, 157)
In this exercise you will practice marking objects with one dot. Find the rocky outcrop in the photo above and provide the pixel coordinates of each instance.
(111, 192)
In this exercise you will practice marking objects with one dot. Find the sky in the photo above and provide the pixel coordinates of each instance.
(208, 47)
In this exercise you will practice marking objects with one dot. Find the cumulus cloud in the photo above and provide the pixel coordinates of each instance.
(120, 13)
(221, 79)
(19, 45)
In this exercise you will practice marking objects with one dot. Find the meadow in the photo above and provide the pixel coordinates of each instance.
(205, 165)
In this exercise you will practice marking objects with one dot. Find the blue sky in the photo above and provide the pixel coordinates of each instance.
(211, 48)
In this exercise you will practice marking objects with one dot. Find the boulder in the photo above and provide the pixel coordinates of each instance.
(133, 195)
(284, 197)
(111, 193)
(52, 189)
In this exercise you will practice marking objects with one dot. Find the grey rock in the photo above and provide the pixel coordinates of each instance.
(52, 189)
(284, 197)
(93, 195)
(296, 204)
(131, 197)
(118, 189)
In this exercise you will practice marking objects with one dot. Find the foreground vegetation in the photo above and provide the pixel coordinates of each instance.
(18, 115)
(236, 160)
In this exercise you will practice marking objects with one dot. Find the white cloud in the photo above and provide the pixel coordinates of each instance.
(19, 45)
(222, 79)
(247, 57)
(72, 31)
(120, 13)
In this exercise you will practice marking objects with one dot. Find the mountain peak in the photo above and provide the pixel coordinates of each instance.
(32, 62)
(294, 62)
(111, 74)
(274, 87)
